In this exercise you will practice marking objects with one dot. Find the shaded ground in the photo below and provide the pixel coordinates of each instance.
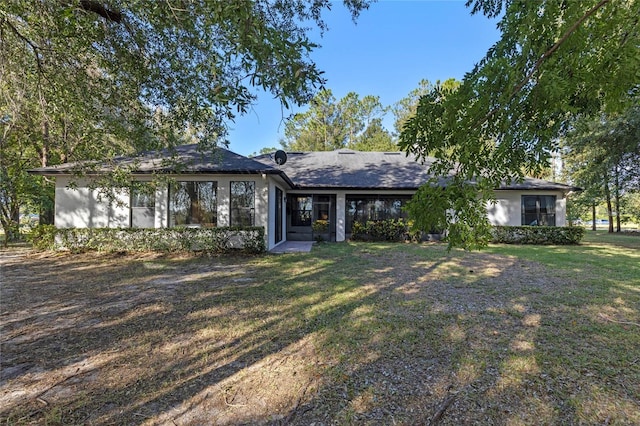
(365, 334)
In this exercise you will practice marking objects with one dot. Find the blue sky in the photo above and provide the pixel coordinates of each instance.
(392, 46)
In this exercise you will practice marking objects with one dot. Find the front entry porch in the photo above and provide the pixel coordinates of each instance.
(311, 217)
(293, 247)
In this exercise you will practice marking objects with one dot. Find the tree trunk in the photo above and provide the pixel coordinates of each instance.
(593, 216)
(617, 198)
(607, 194)
(11, 223)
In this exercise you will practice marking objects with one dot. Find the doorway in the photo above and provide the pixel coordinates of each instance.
(311, 217)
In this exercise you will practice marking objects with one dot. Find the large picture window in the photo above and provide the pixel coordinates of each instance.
(364, 208)
(193, 203)
(539, 210)
(243, 200)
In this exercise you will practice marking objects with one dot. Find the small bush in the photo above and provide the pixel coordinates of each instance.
(380, 230)
(43, 237)
(540, 235)
(207, 240)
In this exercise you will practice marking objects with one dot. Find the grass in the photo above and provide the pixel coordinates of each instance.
(351, 333)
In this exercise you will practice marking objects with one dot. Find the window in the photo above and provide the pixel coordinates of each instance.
(143, 205)
(193, 203)
(301, 210)
(365, 208)
(539, 210)
(243, 200)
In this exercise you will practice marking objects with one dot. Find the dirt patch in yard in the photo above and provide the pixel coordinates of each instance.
(361, 336)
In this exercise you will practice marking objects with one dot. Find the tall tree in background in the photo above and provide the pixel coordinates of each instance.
(603, 155)
(88, 79)
(406, 107)
(556, 61)
(320, 128)
(329, 124)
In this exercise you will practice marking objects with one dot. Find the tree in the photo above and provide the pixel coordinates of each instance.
(633, 207)
(320, 128)
(602, 155)
(264, 150)
(547, 70)
(329, 124)
(87, 79)
(406, 107)
(375, 138)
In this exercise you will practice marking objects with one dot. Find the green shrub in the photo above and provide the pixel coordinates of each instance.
(42, 237)
(207, 240)
(556, 235)
(319, 226)
(380, 230)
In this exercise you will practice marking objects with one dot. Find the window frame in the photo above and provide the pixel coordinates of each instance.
(541, 216)
(375, 207)
(245, 210)
(194, 218)
(142, 199)
(301, 216)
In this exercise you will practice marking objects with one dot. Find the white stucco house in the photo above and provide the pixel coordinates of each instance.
(222, 188)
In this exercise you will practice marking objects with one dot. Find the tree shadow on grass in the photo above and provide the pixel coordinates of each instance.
(349, 333)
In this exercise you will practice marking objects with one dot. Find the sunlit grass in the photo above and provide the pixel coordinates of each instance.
(354, 333)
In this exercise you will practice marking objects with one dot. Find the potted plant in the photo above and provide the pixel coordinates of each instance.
(320, 228)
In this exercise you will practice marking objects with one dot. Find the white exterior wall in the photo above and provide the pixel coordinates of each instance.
(82, 208)
(508, 208)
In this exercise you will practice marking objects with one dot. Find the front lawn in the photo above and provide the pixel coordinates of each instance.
(351, 333)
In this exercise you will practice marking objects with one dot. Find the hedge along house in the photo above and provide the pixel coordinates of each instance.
(221, 188)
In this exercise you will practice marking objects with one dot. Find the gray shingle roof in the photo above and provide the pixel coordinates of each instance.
(348, 169)
(184, 159)
(341, 169)
(539, 184)
(353, 170)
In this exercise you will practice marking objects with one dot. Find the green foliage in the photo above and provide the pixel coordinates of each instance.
(602, 156)
(328, 124)
(320, 226)
(539, 235)
(380, 230)
(43, 237)
(208, 240)
(454, 206)
(633, 207)
(375, 138)
(406, 107)
(252, 240)
(556, 61)
(176, 66)
(90, 80)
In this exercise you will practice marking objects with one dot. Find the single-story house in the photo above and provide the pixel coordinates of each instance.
(222, 188)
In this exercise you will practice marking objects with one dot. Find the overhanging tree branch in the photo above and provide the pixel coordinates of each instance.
(543, 58)
(32, 45)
